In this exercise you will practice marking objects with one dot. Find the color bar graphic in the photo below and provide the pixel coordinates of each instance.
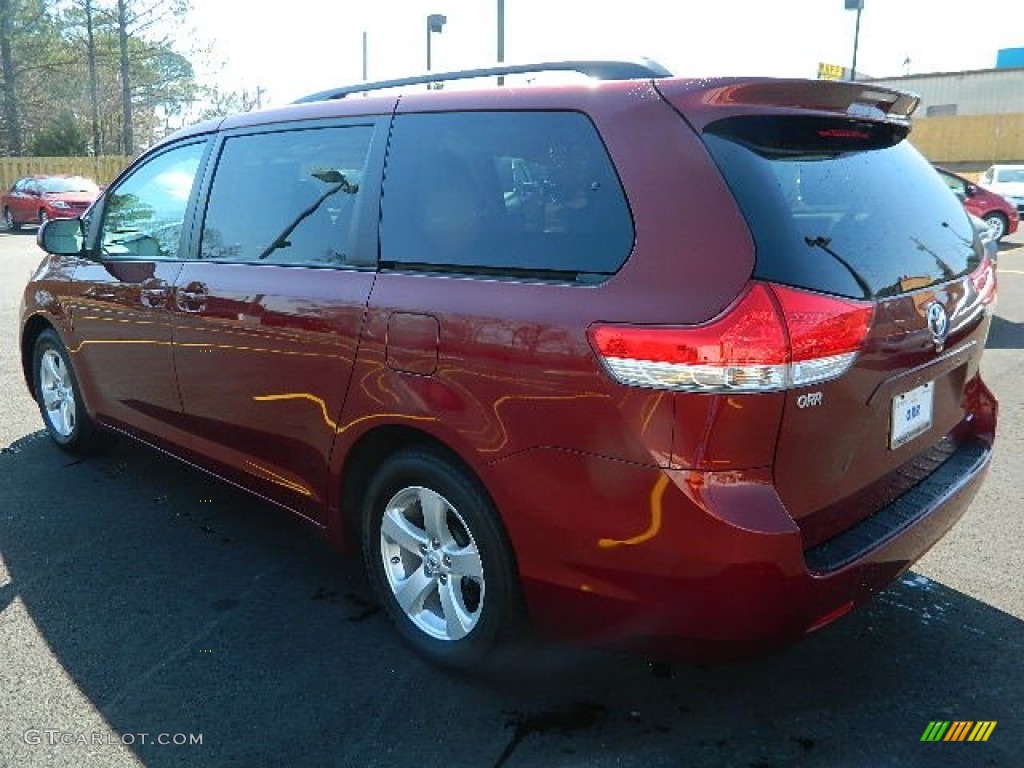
(959, 730)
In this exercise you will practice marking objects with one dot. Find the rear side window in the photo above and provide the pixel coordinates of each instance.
(286, 197)
(514, 193)
(843, 206)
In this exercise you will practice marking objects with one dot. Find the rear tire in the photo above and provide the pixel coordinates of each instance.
(60, 399)
(439, 560)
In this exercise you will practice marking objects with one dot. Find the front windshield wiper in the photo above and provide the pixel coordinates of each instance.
(823, 243)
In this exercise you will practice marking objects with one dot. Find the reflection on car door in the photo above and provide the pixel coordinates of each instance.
(269, 310)
(121, 298)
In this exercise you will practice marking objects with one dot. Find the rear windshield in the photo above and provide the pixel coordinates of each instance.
(842, 206)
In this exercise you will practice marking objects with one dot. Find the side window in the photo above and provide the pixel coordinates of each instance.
(286, 197)
(143, 215)
(956, 185)
(503, 192)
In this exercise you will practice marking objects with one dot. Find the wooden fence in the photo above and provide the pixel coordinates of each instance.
(974, 140)
(102, 169)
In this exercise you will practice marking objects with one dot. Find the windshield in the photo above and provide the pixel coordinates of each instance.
(1010, 175)
(851, 210)
(68, 184)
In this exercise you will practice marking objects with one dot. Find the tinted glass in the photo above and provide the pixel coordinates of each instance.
(286, 198)
(503, 192)
(143, 215)
(844, 207)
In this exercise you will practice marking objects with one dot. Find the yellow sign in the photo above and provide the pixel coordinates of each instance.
(831, 71)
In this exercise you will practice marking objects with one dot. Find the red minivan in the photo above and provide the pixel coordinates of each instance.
(693, 363)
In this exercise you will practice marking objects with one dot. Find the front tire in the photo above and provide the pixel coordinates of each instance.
(9, 223)
(60, 399)
(997, 224)
(438, 559)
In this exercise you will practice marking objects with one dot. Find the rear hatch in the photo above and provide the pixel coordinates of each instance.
(840, 205)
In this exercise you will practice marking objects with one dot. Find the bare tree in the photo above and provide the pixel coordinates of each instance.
(127, 131)
(12, 118)
(94, 98)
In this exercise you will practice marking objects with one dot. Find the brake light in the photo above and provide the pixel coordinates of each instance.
(825, 333)
(772, 338)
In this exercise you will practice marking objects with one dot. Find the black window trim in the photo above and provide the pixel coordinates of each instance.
(97, 213)
(570, 277)
(364, 242)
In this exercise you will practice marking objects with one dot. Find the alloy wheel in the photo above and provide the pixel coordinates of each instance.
(58, 393)
(432, 563)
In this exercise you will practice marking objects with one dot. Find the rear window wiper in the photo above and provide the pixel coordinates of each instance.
(824, 243)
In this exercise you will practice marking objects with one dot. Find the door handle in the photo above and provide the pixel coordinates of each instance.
(192, 298)
(154, 292)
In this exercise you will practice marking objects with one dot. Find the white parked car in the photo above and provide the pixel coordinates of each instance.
(1008, 181)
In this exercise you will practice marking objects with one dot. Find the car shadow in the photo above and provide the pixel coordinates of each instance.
(1005, 334)
(160, 601)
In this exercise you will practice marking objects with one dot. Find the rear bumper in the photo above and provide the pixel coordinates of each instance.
(706, 565)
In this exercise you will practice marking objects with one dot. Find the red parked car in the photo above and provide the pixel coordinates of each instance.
(687, 362)
(35, 199)
(995, 210)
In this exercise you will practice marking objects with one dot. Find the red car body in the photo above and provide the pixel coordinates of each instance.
(992, 208)
(34, 199)
(718, 520)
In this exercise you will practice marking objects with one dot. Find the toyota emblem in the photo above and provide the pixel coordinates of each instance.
(938, 324)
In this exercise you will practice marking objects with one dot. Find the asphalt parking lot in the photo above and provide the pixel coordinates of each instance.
(167, 620)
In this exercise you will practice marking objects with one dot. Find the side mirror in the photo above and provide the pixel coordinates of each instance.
(63, 237)
(971, 190)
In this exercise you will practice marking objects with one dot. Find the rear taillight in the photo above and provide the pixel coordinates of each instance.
(984, 281)
(772, 338)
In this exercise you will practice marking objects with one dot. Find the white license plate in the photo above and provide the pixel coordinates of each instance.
(911, 414)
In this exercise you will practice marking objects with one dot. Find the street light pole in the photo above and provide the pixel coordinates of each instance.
(435, 23)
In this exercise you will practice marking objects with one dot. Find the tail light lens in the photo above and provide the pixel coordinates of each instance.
(772, 338)
(984, 280)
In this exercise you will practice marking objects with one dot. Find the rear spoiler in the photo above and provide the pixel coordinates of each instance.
(705, 101)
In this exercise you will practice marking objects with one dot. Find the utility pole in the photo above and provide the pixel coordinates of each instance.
(501, 38)
(858, 6)
(365, 69)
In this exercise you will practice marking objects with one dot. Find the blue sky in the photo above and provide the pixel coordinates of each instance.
(310, 45)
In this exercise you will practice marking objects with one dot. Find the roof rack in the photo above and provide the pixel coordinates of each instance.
(638, 69)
